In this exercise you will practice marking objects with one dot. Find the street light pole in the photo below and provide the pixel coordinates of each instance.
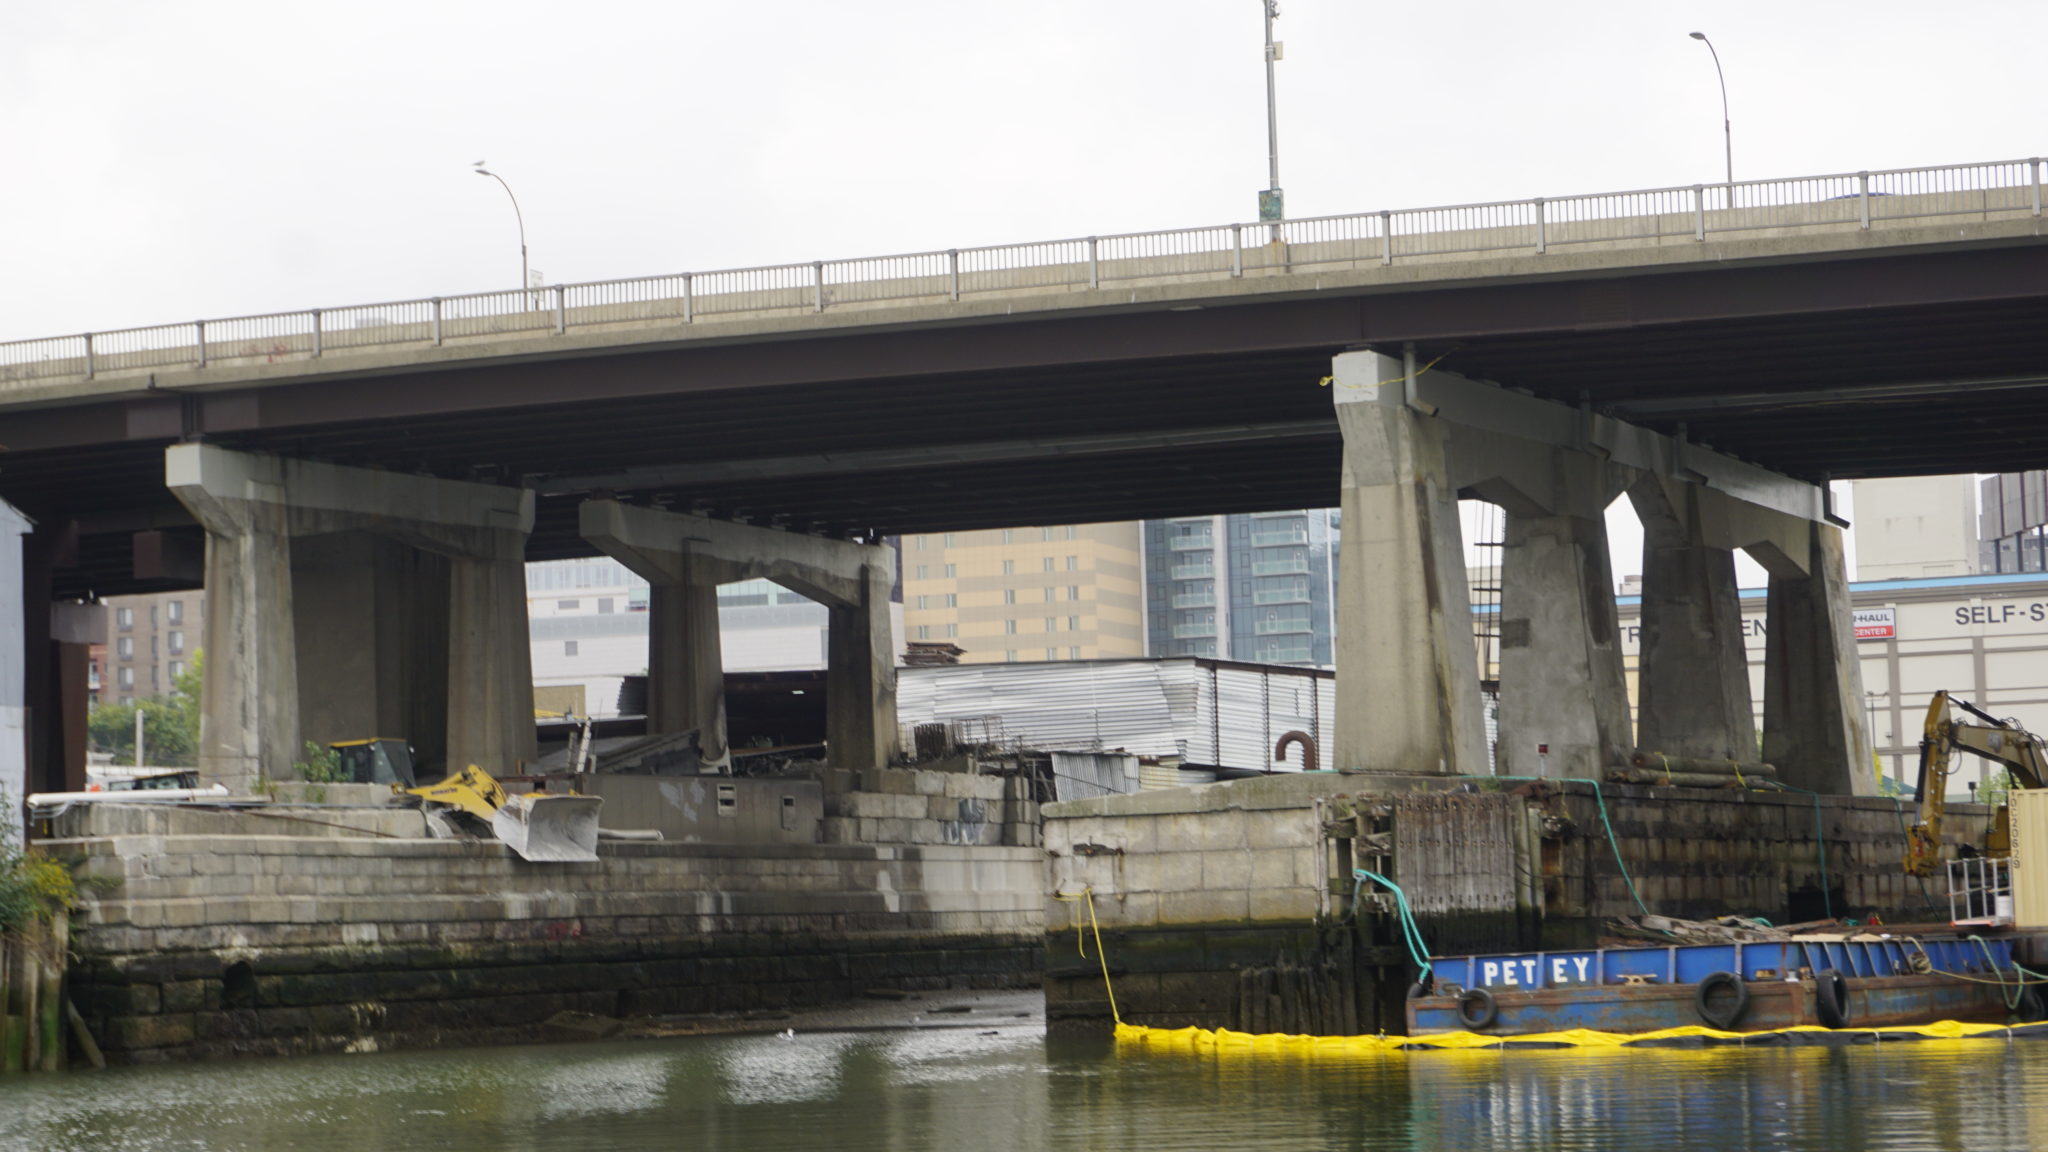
(516, 215)
(1272, 204)
(1727, 133)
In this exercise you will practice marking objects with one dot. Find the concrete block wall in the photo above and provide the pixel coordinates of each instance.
(1699, 854)
(923, 806)
(1198, 891)
(1190, 889)
(200, 946)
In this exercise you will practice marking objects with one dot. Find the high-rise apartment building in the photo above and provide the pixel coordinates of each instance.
(1070, 592)
(1256, 587)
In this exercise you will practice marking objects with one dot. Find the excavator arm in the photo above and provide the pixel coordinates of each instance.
(2002, 741)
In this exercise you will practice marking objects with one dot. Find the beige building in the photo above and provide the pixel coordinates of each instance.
(1072, 592)
(150, 642)
(1915, 528)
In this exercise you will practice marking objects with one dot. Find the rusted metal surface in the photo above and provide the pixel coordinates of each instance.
(1309, 760)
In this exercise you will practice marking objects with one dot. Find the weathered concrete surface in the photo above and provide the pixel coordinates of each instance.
(1693, 689)
(202, 946)
(13, 666)
(255, 509)
(921, 806)
(1407, 688)
(1563, 696)
(1813, 678)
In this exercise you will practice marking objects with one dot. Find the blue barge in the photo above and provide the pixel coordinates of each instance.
(1834, 981)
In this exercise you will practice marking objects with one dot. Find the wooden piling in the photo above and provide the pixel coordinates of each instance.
(56, 952)
(13, 1035)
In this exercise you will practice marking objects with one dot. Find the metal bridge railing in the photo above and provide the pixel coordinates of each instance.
(2008, 188)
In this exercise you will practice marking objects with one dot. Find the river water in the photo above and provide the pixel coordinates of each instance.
(995, 1089)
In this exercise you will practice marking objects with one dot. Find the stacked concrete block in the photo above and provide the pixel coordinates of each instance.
(923, 806)
(434, 940)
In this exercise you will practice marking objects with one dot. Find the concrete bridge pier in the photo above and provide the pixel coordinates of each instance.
(1692, 678)
(1407, 682)
(687, 557)
(345, 603)
(1813, 678)
(1563, 693)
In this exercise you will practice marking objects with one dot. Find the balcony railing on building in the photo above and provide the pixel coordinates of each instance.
(1292, 594)
(1290, 567)
(1192, 631)
(1282, 626)
(1290, 654)
(1194, 571)
(1279, 539)
(1190, 543)
(1194, 600)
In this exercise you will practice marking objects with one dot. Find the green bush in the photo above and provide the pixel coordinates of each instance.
(32, 885)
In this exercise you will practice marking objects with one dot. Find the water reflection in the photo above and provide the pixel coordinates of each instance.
(1000, 1089)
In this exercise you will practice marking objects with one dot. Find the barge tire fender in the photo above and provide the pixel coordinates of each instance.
(1831, 997)
(1476, 1008)
(1720, 1015)
(1420, 988)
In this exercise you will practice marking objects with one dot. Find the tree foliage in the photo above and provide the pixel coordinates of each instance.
(170, 724)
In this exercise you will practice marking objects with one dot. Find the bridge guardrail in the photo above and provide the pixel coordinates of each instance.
(1654, 215)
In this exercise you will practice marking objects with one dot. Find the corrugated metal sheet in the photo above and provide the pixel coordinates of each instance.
(1205, 712)
(1079, 775)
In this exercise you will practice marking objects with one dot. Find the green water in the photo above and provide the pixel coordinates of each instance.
(992, 1090)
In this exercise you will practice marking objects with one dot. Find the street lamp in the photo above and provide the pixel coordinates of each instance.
(516, 215)
(1272, 204)
(1727, 133)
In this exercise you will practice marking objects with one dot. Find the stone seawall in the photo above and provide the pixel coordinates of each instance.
(199, 946)
(1230, 905)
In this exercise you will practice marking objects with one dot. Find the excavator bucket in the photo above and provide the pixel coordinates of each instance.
(549, 829)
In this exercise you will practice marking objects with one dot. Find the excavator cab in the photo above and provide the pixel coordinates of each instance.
(2001, 741)
(380, 760)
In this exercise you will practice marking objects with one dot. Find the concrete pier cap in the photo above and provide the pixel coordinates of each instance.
(686, 557)
(1417, 440)
(402, 606)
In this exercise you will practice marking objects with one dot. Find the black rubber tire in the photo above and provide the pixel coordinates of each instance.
(2033, 1006)
(1720, 1016)
(1831, 998)
(1476, 1009)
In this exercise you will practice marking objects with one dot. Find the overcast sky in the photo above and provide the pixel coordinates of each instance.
(208, 158)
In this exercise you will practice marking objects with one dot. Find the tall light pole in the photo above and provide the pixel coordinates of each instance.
(516, 215)
(1272, 203)
(1727, 133)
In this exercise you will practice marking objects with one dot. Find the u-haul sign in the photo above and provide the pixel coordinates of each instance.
(1877, 623)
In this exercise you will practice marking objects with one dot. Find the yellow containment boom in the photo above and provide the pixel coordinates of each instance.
(539, 826)
(2003, 741)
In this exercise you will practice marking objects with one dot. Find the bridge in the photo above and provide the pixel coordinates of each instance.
(1716, 351)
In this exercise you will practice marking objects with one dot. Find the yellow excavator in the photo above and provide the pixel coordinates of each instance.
(539, 826)
(2002, 741)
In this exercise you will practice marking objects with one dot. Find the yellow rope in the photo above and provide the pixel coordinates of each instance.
(1326, 381)
(1094, 926)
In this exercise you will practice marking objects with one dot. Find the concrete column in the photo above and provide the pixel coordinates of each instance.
(1407, 669)
(13, 670)
(371, 615)
(490, 662)
(436, 643)
(1692, 678)
(861, 729)
(686, 557)
(249, 714)
(1813, 679)
(686, 664)
(1563, 694)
